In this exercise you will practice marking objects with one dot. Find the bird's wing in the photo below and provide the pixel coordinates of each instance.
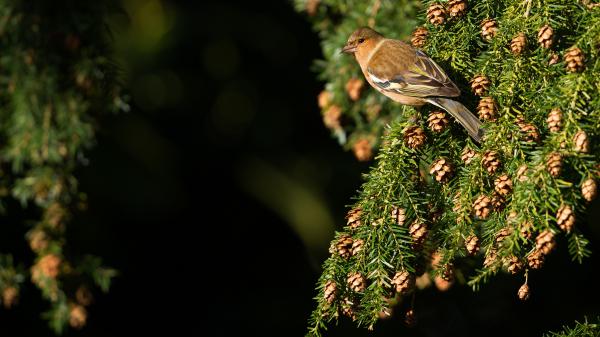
(397, 67)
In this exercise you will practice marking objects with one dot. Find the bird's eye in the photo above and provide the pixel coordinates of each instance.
(361, 40)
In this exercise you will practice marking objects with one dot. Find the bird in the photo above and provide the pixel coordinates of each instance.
(408, 76)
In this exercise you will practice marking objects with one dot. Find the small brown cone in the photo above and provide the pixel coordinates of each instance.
(38, 240)
(344, 246)
(581, 143)
(487, 109)
(324, 99)
(348, 309)
(363, 150)
(554, 120)
(554, 58)
(331, 117)
(436, 14)
(523, 292)
(354, 87)
(357, 246)
(356, 282)
(518, 44)
(514, 265)
(529, 131)
(545, 242)
(441, 170)
(457, 204)
(525, 229)
(457, 8)
(522, 173)
(399, 215)
(77, 316)
(472, 244)
(503, 234)
(84, 296)
(403, 281)
(414, 137)
(511, 217)
(536, 259)
(410, 319)
(490, 161)
(482, 206)
(489, 28)
(419, 37)
(10, 295)
(480, 85)
(589, 189)
(490, 258)
(437, 121)
(330, 291)
(574, 60)
(503, 185)
(565, 218)
(49, 265)
(312, 6)
(467, 155)
(55, 215)
(353, 218)
(546, 36)
(442, 284)
(418, 231)
(590, 4)
(498, 201)
(554, 164)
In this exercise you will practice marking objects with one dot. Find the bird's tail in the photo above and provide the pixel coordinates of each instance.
(462, 115)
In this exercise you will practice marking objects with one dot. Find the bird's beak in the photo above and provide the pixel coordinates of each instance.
(349, 49)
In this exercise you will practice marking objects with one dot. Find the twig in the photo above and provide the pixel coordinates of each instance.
(374, 10)
(46, 127)
(528, 8)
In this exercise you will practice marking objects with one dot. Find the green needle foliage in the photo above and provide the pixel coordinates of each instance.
(532, 74)
(585, 329)
(57, 78)
(334, 21)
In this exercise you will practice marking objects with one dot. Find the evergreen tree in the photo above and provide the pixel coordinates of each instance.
(435, 202)
(57, 79)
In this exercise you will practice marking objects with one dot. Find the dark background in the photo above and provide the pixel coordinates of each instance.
(197, 196)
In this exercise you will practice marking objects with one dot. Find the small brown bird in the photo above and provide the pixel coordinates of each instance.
(408, 76)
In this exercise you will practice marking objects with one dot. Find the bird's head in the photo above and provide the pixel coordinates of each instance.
(360, 39)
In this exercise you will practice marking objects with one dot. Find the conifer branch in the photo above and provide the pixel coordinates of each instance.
(57, 79)
(506, 199)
